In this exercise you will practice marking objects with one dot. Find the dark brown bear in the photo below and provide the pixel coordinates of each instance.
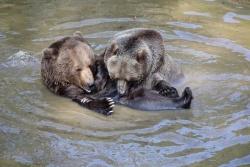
(66, 70)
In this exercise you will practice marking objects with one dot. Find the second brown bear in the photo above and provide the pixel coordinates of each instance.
(137, 58)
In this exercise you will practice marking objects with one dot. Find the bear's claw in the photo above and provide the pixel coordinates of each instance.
(109, 105)
(85, 100)
(170, 92)
(104, 106)
(110, 112)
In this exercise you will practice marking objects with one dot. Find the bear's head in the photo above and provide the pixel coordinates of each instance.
(125, 67)
(68, 62)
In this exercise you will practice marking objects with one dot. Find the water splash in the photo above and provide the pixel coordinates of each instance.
(19, 60)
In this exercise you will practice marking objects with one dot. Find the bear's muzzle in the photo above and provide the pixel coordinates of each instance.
(122, 87)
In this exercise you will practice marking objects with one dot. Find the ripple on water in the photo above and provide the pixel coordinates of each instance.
(148, 147)
(2, 35)
(6, 129)
(48, 39)
(230, 17)
(227, 77)
(199, 55)
(91, 22)
(38, 128)
(103, 35)
(238, 162)
(194, 13)
(184, 25)
(217, 42)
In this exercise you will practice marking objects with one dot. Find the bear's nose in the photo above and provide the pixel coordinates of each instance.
(93, 88)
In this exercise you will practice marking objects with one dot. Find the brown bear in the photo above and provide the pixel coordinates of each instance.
(66, 70)
(137, 57)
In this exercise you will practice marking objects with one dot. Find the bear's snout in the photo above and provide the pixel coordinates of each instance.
(122, 87)
(93, 88)
(86, 80)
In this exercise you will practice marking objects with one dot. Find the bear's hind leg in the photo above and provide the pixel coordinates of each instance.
(185, 100)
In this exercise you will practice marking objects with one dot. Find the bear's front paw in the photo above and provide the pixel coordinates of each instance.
(109, 106)
(104, 106)
(168, 91)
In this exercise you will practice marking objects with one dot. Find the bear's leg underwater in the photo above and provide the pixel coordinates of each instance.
(150, 100)
(140, 99)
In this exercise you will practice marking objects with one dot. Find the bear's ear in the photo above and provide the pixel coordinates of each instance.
(141, 56)
(48, 53)
(110, 51)
(78, 34)
(114, 49)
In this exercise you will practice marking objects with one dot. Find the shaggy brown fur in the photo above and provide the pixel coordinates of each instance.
(66, 71)
(138, 56)
(69, 68)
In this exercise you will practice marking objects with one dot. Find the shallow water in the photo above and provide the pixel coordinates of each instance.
(210, 38)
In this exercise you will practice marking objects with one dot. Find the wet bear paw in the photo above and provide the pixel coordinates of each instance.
(168, 91)
(104, 106)
(108, 105)
(187, 98)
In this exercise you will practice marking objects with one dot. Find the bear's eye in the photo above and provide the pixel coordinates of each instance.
(116, 51)
(113, 63)
(78, 69)
(112, 77)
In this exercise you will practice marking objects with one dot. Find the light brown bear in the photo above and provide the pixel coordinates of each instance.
(67, 69)
(137, 58)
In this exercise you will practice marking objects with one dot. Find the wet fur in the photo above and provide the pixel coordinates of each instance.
(139, 98)
(60, 77)
(58, 83)
(139, 55)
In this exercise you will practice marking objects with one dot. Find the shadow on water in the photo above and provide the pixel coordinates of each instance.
(209, 38)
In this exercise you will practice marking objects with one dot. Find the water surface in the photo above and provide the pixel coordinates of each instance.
(209, 38)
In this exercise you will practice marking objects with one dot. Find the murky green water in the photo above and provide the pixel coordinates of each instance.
(210, 38)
